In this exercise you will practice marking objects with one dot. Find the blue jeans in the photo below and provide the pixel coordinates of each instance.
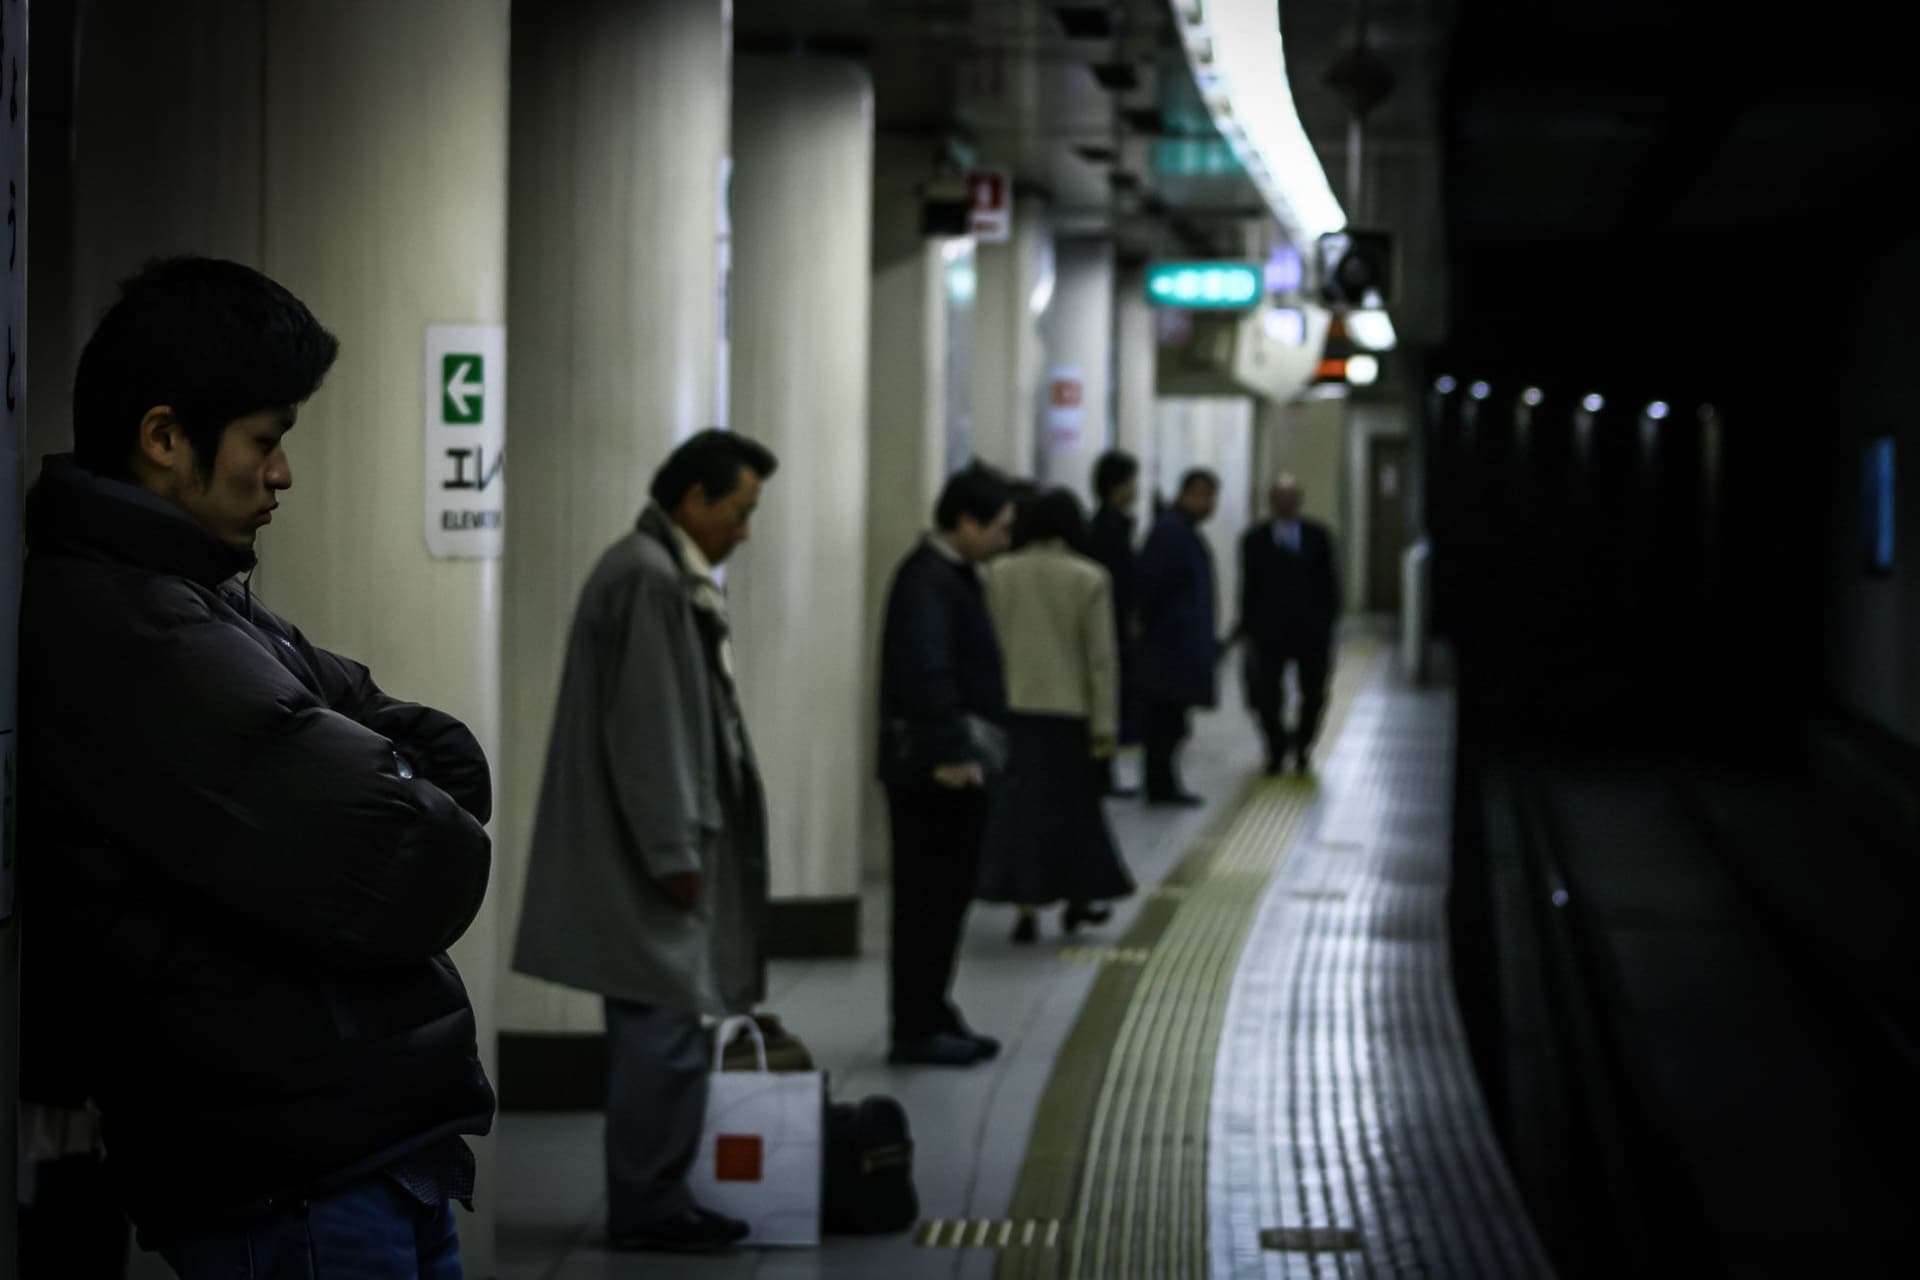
(372, 1230)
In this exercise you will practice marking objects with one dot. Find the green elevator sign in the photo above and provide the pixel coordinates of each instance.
(463, 388)
(1203, 286)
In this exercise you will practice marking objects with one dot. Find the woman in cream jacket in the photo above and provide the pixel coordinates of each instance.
(1048, 839)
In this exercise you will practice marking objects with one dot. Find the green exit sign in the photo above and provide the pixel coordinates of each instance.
(1214, 286)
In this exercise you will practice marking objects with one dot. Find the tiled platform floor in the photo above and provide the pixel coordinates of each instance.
(1341, 1098)
(970, 1127)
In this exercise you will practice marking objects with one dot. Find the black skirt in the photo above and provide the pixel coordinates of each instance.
(1047, 837)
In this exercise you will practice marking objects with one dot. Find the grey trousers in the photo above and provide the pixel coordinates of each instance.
(657, 1067)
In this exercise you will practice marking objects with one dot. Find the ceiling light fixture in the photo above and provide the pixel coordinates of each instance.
(1235, 52)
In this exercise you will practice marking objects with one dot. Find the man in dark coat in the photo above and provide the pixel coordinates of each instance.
(246, 861)
(1116, 483)
(943, 708)
(1289, 602)
(1179, 647)
(647, 881)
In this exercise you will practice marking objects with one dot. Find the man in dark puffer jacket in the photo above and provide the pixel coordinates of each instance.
(244, 861)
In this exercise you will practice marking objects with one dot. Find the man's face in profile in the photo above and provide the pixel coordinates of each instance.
(718, 526)
(235, 498)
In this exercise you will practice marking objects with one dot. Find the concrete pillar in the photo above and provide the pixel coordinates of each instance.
(1133, 371)
(356, 153)
(910, 410)
(1016, 283)
(619, 141)
(1078, 334)
(802, 243)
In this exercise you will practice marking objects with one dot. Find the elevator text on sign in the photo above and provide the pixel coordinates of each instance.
(466, 401)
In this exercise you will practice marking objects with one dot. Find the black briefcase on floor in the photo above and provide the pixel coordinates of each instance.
(868, 1153)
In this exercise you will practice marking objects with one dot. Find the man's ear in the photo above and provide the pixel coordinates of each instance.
(162, 438)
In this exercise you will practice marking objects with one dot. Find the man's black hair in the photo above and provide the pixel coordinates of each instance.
(1055, 514)
(1199, 475)
(980, 493)
(1115, 468)
(713, 460)
(212, 340)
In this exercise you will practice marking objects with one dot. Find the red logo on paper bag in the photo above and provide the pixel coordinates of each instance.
(736, 1158)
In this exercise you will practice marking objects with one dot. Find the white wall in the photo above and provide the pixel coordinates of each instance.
(619, 138)
(1078, 333)
(802, 246)
(357, 154)
(1133, 373)
(1008, 354)
(907, 417)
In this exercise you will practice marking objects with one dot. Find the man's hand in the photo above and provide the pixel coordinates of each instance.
(1105, 746)
(682, 889)
(960, 776)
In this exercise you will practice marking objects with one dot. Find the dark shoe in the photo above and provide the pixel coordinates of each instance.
(986, 1046)
(693, 1230)
(1026, 929)
(1276, 767)
(1079, 913)
(1176, 800)
(1303, 762)
(941, 1049)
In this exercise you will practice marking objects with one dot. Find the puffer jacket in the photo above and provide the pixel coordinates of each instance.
(241, 865)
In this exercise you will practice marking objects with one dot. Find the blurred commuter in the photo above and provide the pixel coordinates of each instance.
(1289, 602)
(1179, 648)
(943, 708)
(1116, 484)
(647, 881)
(1047, 838)
(249, 861)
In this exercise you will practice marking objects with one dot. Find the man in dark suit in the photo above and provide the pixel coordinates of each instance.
(1289, 601)
(943, 708)
(1179, 647)
(1116, 483)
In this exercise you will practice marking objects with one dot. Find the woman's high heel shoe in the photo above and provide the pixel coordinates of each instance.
(1079, 913)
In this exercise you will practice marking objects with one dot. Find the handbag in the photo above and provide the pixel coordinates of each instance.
(905, 758)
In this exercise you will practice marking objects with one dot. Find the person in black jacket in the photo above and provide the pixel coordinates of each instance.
(943, 710)
(1289, 602)
(1179, 648)
(1116, 483)
(247, 862)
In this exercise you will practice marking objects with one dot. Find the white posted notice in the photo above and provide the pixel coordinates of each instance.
(466, 440)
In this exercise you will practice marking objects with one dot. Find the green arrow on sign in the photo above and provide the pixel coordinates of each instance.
(463, 388)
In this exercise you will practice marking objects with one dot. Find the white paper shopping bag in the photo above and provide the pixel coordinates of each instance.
(760, 1153)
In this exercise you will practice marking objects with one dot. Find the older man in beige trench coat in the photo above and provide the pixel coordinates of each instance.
(648, 874)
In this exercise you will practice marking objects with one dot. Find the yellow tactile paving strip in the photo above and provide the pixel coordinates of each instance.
(1118, 1152)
